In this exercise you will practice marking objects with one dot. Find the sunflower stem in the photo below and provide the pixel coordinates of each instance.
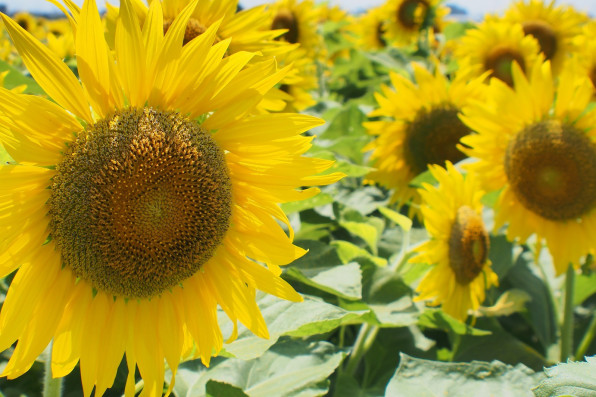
(52, 387)
(567, 326)
(586, 340)
(364, 340)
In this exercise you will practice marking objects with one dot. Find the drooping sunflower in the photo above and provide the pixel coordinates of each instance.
(536, 143)
(419, 126)
(405, 19)
(459, 244)
(553, 27)
(143, 197)
(493, 47)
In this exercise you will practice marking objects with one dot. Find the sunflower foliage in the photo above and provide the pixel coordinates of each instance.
(450, 250)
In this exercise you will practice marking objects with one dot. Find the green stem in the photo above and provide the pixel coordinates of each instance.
(586, 340)
(52, 387)
(567, 326)
(364, 340)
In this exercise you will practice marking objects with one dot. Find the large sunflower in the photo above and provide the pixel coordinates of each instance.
(405, 19)
(536, 144)
(459, 244)
(419, 126)
(493, 47)
(142, 198)
(553, 27)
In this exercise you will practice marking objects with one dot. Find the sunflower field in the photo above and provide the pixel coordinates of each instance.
(200, 199)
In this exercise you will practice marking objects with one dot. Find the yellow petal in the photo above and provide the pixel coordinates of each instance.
(49, 71)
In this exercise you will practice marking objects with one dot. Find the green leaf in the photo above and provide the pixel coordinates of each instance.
(15, 78)
(435, 318)
(299, 206)
(348, 252)
(426, 378)
(290, 368)
(347, 122)
(541, 312)
(310, 317)
(324, 269)
(423, 177)
(576, 379)
(220, 389)
(366, 232)
(401, 220)
(585, 286)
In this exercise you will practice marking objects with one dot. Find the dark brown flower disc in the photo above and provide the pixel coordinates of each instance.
(468, 245)
(551, 168)
(499, 62)
(545, 35)
(412, 13)
(285, 19)
(140, 201)
(432, 136)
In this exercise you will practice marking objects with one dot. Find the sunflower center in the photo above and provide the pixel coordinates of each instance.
(499, 61)
(468, 245)
(381, 35)
(551, 168)
(545, 36)
(285, 19)
(140, 202)
(194, 28)
(411, 13)
(431, 138)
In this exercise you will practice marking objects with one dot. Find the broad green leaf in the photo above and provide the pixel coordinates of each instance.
(347, 122)
(311, 317)
(220, 389)
(541, 312)
(426, 378)
(435, 318)
(364, 200)
(324, 269)
(290, 368)
(499, 345)
(15, 78)
(577, 379)
(423, 177)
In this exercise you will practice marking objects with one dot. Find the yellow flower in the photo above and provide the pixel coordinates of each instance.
(406, 18)
(586, 51)
(459, 244)
(369, 30)
(493, 47)
(60, 38)
(158, 188)
(536, 144)
(30, 23)
(299, 18)
(553, 27)
(419, 126)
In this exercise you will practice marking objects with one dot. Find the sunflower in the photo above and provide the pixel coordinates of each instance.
(142, 198)
(369, 30)
(405, 19)
(553, 27)
(300, 19)
(586, 51)
(493, 47)
(420, 126)
(248, 30)
(536, 144)
(60, 38)
(30, 23)
(459, 244)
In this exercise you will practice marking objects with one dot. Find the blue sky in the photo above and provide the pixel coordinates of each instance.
(476, 8)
